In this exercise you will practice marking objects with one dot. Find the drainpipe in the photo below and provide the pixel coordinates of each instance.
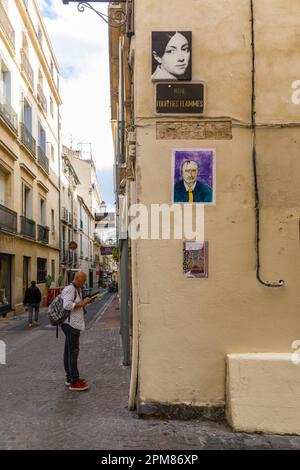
(59, 193)
(123, 243)
(133, 389)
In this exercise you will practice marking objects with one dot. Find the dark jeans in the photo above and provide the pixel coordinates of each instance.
(31, 308)
(71, 352)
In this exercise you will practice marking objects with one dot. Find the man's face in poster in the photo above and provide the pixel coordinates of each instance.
(190, 171)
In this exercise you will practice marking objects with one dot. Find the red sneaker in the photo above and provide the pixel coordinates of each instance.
(79, 386)
(82, 380)
(68, 383)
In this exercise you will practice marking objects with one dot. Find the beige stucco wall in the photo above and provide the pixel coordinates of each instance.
(186, 327)
(263, 392)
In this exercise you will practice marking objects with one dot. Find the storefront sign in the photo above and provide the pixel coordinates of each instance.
(185, 98)
(106, 250)
(72, 245)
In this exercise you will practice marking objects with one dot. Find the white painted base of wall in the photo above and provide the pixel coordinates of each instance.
(263, 393)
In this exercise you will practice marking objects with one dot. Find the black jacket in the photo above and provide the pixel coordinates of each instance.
(32, 296)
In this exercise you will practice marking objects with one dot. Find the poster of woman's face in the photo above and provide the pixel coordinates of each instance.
(194, 177)
(171, 55)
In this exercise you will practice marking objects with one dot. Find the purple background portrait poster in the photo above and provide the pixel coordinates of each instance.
(205, 160)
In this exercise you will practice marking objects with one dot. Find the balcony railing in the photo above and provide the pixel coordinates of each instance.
(43, 234)
(41, 99)
(7, 26)
(64, 256)
(8, 219)
(68, 256)
(26, 67)
(9, 115)
(27, 227)
(43, 159)
(28, 140)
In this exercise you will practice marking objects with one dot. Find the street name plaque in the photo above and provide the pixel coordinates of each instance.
(180, 98)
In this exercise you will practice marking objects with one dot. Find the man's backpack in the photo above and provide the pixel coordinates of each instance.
(56, 312)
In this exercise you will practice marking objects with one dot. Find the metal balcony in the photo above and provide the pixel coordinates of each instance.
(64, 256)
(8, 219)
(7, 27)
(9, 115)
(43, 159)
(28, 140)
(43, 234)
(28, 227)
(26, 67)
(41, 98)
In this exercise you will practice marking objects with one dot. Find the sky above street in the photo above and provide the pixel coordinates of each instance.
(80, 42)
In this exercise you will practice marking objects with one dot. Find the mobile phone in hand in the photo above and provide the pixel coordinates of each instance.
(96, 297)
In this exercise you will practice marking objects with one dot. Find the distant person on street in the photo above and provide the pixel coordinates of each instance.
(72, 326)
(32, 300)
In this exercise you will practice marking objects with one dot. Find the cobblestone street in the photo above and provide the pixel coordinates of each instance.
(38, 412)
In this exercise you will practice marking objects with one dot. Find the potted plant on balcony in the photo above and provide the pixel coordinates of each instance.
(49, 290)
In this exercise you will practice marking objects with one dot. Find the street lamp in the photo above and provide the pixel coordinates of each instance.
(115, 20)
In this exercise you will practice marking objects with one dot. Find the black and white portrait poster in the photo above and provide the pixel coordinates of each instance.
(171, 55)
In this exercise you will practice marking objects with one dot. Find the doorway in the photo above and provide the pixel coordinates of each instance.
(91, 279)
(5, 283)
(26, 266)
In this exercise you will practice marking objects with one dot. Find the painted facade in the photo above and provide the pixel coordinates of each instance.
(29, 153)
(181, 329)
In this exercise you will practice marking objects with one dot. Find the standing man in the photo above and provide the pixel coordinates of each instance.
(72, 326)
(189, 188)
(32, 300)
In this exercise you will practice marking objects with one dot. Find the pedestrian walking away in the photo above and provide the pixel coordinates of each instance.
(72, 327)
(32, 300)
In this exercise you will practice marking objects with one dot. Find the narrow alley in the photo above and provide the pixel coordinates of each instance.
(38, 411)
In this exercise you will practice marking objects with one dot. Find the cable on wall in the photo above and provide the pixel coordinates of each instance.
(280, 283)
